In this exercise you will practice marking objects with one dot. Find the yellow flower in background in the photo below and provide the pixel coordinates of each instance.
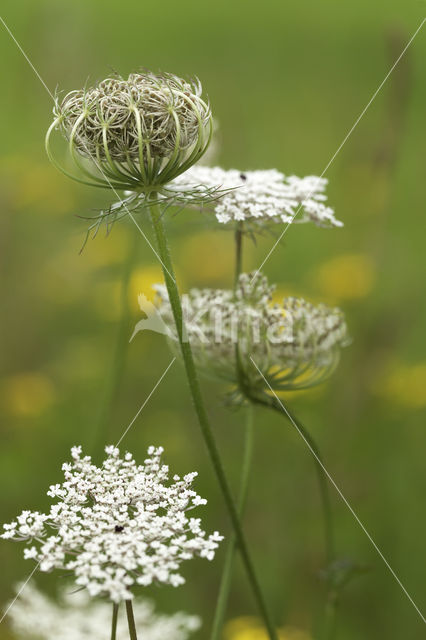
(403, 384)
(26, 394)
(142, 281)
(107, 297)
(250, 628)
(212, 253)
(346, 277)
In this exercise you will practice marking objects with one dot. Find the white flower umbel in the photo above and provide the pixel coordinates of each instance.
(262, 196)
(76, 616)
(260, 199)
(117, 526)
(295, 344)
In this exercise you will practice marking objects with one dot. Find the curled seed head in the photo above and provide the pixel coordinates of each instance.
(138, 126)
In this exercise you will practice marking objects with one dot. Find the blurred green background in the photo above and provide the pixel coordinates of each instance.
(286, 81)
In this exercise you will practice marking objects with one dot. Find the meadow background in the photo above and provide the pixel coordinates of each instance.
(286, 81)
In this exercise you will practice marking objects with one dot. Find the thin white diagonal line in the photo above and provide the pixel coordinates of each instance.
(124, 434)
(88, 153)
(345, 139)
(152, 248)
(27, 58)
(146, 401)
(20, 590)
(331, 479)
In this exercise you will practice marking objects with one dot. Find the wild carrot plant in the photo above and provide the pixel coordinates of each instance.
(122, 526)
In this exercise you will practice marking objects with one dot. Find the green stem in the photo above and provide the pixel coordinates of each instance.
(203, 419)
(120, 350)
(225, 584)
(323, 490)
(330, 616)
(131, 620)
(330, 553)
(114, 621)
(274, 403)
(238, 250)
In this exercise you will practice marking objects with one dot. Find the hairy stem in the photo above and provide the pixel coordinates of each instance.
(225, 584)
(114, 621)
(131, 620)
(201, 412)
(115, 374)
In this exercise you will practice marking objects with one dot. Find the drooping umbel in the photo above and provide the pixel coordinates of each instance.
(284, 346)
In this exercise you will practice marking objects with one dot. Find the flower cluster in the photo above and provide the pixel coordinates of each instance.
(258, 198)
(117, 525)
(294, 344)
(34, 616)
(262, 196)
(144, 134)
(137, 132)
